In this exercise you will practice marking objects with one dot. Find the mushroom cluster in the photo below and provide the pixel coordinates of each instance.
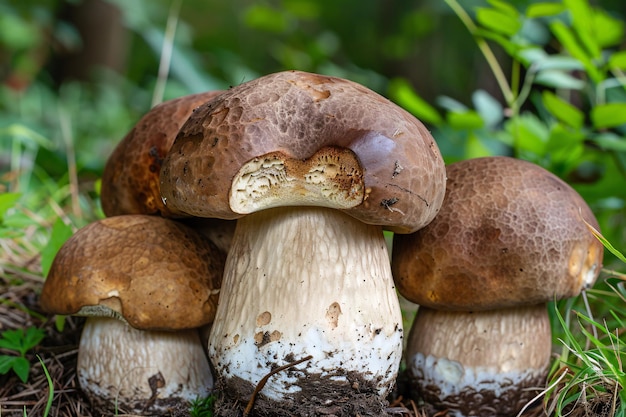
(510, 236)
(296, 175)
(312, 169)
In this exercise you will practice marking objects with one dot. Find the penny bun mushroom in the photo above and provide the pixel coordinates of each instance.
(313, 167)
(130, 181)
(145, 284)
(509, 236)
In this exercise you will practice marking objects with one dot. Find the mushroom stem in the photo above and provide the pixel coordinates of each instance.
(303, 281)
(483, 363)
(146, 370)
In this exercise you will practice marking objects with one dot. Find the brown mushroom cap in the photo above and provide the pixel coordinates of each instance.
(508, 233)
(154, 273)
(295, 138)
(130, 181)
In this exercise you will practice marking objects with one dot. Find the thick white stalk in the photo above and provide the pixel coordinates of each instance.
(307, 281)
(140, 371)
(483, 363)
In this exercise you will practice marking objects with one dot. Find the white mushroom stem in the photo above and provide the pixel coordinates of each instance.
(485, 363)
(141, 371)
(305, 281)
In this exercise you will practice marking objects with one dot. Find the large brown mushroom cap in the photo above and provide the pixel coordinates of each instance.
(130, 181)
(153, 272)
(508, 233)
(306, 139)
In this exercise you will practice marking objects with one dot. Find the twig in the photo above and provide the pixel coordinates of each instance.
(166, 52)
(264, 380)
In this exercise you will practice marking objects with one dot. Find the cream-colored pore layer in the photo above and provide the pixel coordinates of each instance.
(307, 281)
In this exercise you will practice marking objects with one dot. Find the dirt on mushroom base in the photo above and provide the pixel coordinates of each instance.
(356, 397)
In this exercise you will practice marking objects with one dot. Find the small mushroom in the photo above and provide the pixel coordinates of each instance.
(145, 284)
(510, 236)
(318, 166)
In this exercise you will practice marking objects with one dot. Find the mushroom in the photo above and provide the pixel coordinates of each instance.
(318, 166)
(145, 284)
(130, 181)
(510, 236)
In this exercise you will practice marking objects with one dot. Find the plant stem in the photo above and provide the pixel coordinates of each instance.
(492, 61)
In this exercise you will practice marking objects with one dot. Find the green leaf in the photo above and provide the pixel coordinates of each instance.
(490, 109)
(12, 340)
(21, 367)
(618, 60)
(565, 148)
(562, 110)
(608, 31)
(7, 201)
(611, 142)
(567, 38)
(529, 133)
(6, 363)
(608, 115)
(582, 14)
(498, 21)
(467, 120)
(505, 7)
(559, 79)
(59, 322)
(32, 337)
(544, 9)
(570, 42)
(405, 96)
(21, 340)
(60, 233)
(530, 56)
(559, 62)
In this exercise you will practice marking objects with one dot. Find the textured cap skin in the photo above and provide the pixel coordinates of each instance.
(156, 273)
(130, 181)
(286, 119)
(508, 233)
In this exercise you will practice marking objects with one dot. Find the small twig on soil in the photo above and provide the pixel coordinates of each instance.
(264, 380)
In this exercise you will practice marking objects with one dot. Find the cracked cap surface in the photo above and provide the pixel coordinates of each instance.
(297, 138)
(156, 273)
(508, 233)
(130, 181)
